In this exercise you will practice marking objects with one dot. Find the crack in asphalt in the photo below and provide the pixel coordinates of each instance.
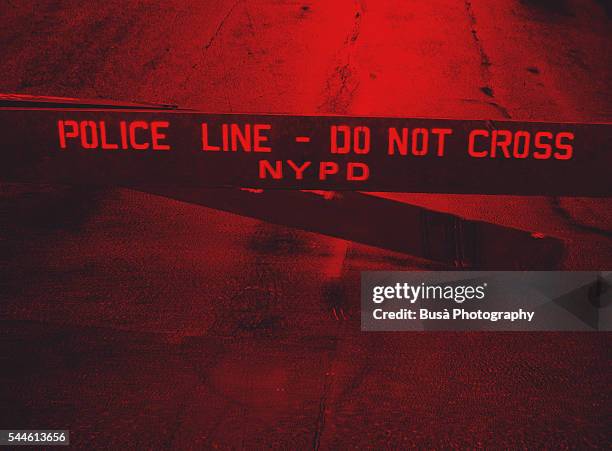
(342, 84)
(321, 416)
(485, 62)
(562, 212)
(221, 23)
(338, 96)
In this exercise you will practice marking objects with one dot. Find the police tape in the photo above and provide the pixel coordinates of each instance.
(131, 147)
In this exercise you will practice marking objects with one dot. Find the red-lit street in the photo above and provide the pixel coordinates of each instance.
(132, 318)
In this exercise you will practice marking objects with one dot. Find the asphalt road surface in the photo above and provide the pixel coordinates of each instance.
(138, 321)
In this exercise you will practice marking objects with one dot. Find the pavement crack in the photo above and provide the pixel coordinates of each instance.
(563, 213)
(342, 83)
(221, 23)
(501, 109)
(321, 416)
(485, 61)
(352, 38)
